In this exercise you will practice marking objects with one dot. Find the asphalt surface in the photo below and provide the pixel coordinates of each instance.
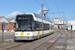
(7, 36)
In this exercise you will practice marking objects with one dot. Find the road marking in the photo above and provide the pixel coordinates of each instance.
(51, 41)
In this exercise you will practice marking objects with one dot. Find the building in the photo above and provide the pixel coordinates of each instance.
(59, 23)
(9, 24)
(71, 23)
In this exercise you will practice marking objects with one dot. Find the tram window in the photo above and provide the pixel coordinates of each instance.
(52, 26)
(30, 23)
(46, 26)
(34, 25)
(38, 26)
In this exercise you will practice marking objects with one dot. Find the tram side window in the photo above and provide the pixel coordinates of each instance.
(46, 26)
(52, 26)
(38, 26)
(33, 25)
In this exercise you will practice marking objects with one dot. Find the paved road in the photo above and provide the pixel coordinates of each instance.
(7, 36)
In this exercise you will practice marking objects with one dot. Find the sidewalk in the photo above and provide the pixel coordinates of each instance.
(7, 32)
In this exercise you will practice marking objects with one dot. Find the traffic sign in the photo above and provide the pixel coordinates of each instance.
(3, 26)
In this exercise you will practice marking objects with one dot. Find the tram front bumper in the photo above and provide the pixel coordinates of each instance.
(23, 38)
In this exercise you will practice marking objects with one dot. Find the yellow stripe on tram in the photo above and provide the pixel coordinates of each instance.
(38, 34)
(22, 34)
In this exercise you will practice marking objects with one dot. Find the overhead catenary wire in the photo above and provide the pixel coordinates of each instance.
(37, 2)
(47, 5)
(56, 5)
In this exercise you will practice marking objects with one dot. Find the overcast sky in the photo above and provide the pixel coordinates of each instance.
(10, 8)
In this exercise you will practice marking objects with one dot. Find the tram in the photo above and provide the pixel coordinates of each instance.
(29, 27)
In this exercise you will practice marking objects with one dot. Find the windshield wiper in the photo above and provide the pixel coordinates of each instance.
(27, 27)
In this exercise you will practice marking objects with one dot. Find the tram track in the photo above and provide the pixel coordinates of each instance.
(48, 40)
(20, 45)
(54, 42)
(61, 44)
(70, 41)
(66, 44)
(15, 46)
(10, 46)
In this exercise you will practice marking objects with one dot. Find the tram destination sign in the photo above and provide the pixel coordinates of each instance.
(21, 18)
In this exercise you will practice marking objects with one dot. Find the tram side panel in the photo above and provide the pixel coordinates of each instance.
(23, 36)
(30, 35)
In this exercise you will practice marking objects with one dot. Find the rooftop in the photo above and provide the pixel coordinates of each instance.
(9, 19)
(1, 16)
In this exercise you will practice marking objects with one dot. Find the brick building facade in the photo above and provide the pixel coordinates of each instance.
(9, 24)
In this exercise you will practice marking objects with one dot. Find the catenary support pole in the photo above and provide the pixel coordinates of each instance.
(42, 17)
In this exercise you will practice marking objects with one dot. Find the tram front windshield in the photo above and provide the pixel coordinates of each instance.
(23, 22)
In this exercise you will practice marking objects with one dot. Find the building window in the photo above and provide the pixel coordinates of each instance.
(0, 23)
(12, 24)
(6, 23)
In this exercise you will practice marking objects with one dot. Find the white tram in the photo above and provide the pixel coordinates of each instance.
(29, 27)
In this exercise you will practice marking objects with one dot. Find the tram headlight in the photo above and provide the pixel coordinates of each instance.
(28, 33)
(14, 37)
(16, 34)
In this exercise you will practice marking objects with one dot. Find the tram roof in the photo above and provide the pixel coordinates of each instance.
(47, 19)
(38, 16)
